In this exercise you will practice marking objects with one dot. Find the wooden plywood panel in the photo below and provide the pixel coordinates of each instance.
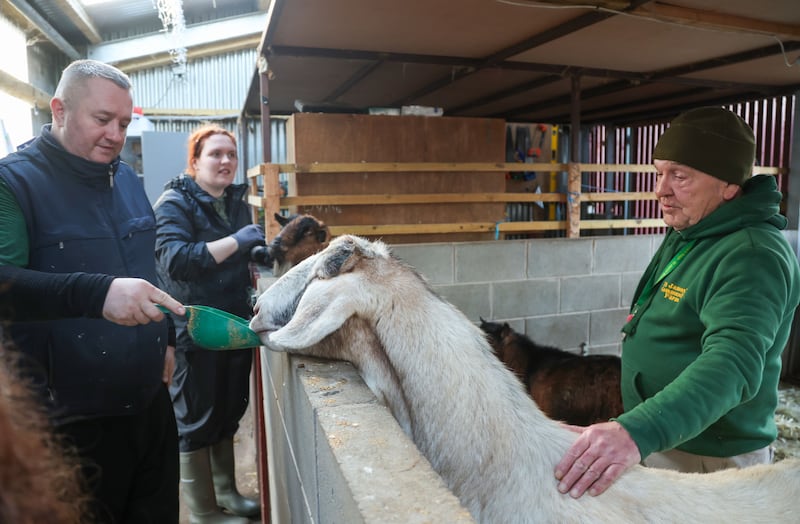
(315, 137)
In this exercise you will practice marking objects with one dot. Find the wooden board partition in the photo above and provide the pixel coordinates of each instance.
(384, 196)
(343, 138)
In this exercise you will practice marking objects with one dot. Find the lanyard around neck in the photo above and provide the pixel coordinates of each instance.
(649, 290)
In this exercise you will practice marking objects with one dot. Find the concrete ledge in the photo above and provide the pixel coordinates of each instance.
(336, 455)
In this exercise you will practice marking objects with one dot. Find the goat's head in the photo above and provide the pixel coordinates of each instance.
(318, 295)
(497, 334)
(300, 237)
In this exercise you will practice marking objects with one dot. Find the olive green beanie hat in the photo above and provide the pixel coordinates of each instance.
(712, 140)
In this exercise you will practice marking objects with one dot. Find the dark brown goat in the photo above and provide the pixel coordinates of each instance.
(579, 390)
(300, 237)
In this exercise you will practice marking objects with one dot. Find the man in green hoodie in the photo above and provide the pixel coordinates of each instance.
(701, 355)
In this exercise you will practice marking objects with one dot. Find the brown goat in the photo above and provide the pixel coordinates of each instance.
(579, 390)
(300, 237)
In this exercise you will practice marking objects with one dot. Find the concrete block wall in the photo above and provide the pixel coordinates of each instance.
(569, 293)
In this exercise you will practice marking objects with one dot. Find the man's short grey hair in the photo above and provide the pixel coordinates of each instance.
(79, 71)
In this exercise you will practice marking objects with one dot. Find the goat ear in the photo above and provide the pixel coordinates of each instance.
(312, 322)
(342, 260)
(323, 234)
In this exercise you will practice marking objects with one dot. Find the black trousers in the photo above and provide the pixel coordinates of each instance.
(210, 391)
(130, 464)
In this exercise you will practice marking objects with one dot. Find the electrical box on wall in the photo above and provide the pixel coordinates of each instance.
(155, 156)
(132, 151)
(132, 154)
(163, 157)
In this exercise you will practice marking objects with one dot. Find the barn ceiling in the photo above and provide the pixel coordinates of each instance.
(549, 61)
(523, 60)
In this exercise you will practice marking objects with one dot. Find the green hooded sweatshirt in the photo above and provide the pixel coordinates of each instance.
(701, 358)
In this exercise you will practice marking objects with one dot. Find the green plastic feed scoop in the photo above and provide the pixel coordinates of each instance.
(212, 328)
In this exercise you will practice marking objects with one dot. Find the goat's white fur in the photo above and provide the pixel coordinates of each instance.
(468, 414)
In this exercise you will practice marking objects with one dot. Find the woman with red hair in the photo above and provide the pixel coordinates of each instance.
(203, 243)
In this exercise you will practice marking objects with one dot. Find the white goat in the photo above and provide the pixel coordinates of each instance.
(468, 414)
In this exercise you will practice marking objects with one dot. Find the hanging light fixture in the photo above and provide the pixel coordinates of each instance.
(170, 12)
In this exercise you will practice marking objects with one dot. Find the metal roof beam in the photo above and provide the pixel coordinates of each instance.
(505, 93)
(359, 75)
(159, 44)
(15, 87)
(219, 48)
(673, 76)
(449, 61)
(44, 27)
(717, 21)
(638, 115)
(77, 15)
(549, 35)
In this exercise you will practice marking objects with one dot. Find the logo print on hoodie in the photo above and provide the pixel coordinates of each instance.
(672, 291)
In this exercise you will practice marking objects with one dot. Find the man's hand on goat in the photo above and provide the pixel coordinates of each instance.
(596, 459)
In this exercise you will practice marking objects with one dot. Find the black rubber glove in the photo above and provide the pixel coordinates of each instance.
(249, 236)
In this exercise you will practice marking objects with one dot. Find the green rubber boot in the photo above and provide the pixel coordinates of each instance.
(228, 497)
(198, 490)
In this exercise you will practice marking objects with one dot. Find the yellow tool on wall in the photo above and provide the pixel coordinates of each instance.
(553, 174)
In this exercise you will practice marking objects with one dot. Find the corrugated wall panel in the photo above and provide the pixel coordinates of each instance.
(217, 83)
(771, 120)
(213, 89)
(278, 129)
